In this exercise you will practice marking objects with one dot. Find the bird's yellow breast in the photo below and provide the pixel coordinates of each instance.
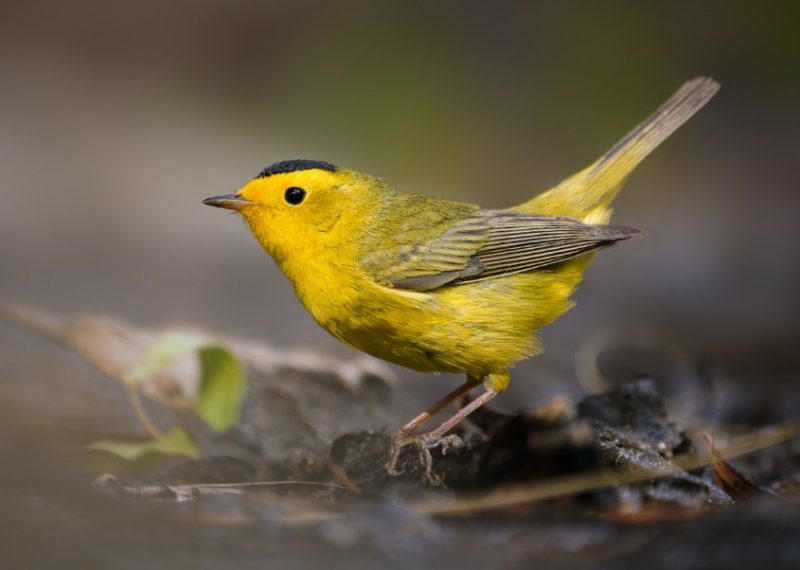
(477, 328)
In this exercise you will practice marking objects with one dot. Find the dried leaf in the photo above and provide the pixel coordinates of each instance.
(727, 477)
(170, 346)
(119, 348)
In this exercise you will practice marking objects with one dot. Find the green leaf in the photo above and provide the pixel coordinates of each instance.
(164, 351)
(222, 388)
(175, 442)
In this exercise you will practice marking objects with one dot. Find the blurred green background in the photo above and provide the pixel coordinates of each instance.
(117, 119)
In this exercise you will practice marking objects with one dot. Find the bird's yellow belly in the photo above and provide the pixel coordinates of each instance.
(477, 328)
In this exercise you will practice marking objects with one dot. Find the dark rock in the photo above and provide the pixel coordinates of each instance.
(637, 411)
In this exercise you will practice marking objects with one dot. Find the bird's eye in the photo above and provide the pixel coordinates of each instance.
(294, 195)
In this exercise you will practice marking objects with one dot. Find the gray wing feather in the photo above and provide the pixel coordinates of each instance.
(497, 243)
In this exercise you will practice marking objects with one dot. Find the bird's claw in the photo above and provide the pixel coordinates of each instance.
(446, 443)
(425, 443)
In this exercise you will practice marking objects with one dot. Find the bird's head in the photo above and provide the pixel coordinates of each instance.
(296, 207)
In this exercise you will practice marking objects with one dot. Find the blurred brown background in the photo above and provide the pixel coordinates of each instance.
(117, 119)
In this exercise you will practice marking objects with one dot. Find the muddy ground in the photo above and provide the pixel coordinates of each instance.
(616, 479)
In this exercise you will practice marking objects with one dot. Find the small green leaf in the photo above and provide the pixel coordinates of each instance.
(222, 388)
(164, 351)
(175, 442)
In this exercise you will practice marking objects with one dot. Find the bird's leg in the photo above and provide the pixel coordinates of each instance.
(403, 436)
(468, 426)
(462, 390)
(494, 384)
(430, 439)
(436, 438)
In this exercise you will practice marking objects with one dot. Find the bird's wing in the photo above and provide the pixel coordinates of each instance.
(428, 250)
(495, 243)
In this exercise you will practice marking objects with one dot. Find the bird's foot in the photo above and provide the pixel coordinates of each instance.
(425, 443)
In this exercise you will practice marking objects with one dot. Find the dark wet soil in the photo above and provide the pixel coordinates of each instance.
(339, 507)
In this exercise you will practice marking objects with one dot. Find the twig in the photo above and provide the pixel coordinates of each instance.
(565, 486)
(185, 492)
(340, 475)
(33, 320)
(136, 403)
(265, 484)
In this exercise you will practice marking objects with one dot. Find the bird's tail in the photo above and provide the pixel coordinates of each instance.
(587, 195)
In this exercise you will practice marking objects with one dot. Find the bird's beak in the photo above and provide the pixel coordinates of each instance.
(228, 201)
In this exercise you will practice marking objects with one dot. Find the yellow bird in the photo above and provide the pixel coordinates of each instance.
(441, 286)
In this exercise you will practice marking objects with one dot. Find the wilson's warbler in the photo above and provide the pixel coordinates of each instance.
(442, 286)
